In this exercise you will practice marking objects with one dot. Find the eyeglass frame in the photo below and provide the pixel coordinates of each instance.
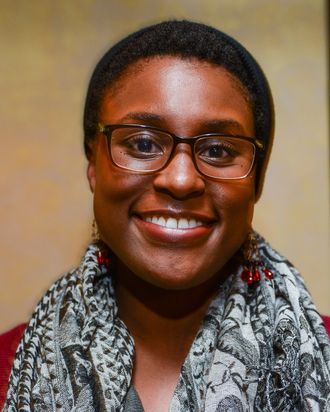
(106, 130)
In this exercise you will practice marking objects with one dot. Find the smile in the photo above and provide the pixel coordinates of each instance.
(167, 227)
(173, 223)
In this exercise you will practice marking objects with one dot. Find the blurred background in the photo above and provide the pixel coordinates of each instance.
(48, 50)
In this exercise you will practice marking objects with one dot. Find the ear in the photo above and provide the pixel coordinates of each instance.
(91, 168)
(91, 175)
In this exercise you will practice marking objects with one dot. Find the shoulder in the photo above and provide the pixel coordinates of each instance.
(8, 345)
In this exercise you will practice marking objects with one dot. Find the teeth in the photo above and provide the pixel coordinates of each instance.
(172, 223)
(192, 223)
(183, 224)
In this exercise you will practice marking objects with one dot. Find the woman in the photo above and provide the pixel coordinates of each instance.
(177, 305)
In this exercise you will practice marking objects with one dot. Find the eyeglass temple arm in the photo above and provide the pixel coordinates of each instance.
(101, 127)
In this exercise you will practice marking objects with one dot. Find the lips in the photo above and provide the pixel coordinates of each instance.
(168, 227)
(173, 222)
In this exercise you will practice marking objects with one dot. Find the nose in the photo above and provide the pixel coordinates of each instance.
(180, 179)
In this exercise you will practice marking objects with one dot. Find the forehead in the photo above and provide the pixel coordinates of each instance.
(178, 89)
(162, 61)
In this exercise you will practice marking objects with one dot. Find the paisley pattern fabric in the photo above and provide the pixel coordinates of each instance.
(260, 348)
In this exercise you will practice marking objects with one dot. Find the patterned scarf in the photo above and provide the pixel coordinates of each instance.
(260, 348)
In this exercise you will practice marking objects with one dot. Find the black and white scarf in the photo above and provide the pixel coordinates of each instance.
(260, 348)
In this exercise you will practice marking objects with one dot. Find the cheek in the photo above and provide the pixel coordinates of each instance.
(113, 185)
(114, 194)
(235, 203)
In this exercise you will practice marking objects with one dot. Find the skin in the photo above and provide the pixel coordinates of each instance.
(166, 278)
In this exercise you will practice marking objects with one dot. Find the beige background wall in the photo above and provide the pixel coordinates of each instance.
(48, 50)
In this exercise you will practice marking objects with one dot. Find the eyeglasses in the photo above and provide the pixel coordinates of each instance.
(147, 149)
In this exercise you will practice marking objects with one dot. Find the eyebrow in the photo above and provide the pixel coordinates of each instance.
(223, 125)
(217, 125)
(142, 117)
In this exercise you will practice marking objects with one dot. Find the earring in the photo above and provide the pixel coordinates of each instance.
(95, 232)
(252, 263)
(103, 257)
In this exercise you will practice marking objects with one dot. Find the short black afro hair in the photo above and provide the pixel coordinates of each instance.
(186, 40)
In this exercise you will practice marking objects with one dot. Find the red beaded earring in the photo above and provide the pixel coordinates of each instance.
(253, 266)
(103, 257)
(103, 260)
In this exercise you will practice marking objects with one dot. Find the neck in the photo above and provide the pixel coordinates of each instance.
(153, 313)
(164, 324)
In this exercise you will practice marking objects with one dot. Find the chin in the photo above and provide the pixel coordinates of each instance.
(175, 277)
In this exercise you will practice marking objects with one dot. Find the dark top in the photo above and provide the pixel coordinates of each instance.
(133, 402)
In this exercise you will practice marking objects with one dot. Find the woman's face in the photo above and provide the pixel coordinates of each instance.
(185, 97)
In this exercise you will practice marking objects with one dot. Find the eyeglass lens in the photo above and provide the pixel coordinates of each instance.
(148, 150)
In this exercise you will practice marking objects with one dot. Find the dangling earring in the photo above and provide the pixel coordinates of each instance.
(95, 232)
(103, 258)
(252, 263)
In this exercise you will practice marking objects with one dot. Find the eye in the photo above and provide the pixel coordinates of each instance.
(217, 151)
(142, 144)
